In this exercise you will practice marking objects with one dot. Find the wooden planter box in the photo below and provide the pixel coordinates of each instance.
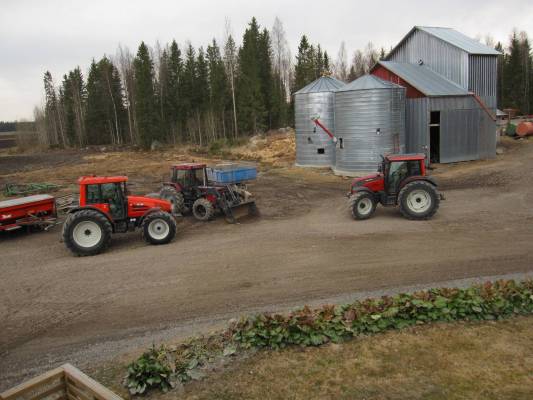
(63, 383)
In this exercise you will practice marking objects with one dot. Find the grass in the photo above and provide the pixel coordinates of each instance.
(487, 360)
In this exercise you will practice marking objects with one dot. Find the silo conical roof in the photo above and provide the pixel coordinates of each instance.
(368, 82)
(322, 84)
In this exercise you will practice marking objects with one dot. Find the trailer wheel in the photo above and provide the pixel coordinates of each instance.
(158, 228)
(175, 198)
(203, 209)
(362, 205)
(87, 232)
(418, 200)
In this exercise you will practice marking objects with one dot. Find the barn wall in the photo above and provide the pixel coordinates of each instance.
(440, 56)
(466, 130)
(482, 77)
(417, 125)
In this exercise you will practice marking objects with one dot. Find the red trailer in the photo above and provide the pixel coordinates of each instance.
(38, 210)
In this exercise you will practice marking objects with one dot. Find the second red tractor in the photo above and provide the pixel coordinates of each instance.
(401, 181)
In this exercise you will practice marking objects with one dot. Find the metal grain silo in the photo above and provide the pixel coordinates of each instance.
(369, 122)
(314, 148)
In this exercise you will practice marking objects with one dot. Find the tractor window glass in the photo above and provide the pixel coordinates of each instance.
(110, 192)
(199, 175)
(182, 177)
(93, 194)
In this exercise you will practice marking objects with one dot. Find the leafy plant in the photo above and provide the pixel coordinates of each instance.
(307, 327)
(151, 370)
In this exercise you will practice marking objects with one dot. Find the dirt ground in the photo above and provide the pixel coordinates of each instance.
(303, 248)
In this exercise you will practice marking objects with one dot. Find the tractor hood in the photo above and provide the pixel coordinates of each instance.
(367, 179)
(146, 203)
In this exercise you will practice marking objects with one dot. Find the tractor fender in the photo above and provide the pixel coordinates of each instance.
(359, 189)
(418, 178)
(76, 209)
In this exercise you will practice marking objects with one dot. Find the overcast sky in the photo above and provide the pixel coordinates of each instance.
(56, 35)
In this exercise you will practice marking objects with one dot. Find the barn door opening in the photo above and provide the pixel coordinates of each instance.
(434, 137)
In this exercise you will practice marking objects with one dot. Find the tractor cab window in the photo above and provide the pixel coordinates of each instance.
(199, 177)
(93, 194)
(111, 193)
(190, 177)
(399, 170)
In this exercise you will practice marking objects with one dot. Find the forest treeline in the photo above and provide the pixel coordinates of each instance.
(182, 94)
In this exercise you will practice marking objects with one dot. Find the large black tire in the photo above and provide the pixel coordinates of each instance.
(158, 227)
(175, 198)
(362, 205)
(87, 232)
(419, 200)
(203, 209)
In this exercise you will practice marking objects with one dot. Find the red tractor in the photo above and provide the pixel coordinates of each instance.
(401, 181)
(105, 208)
(204, 191)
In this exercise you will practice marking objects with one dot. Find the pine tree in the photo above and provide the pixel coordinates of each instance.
(230, 64)
(72, 97)
(201, 92)
(53, 117)
(145, 101)
(188, 88)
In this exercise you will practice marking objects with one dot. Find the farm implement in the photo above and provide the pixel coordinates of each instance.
(32, 211)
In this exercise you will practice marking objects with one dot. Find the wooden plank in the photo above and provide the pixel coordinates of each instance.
(96, 389)
(59, 387)
(32, 384)
(78, 392)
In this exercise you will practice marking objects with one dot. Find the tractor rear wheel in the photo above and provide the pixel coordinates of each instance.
(87, 232)
(175, 198)
(418, 200)
(203, 209)
(158, 228)
(362, 205)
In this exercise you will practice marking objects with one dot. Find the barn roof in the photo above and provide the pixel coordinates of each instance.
(454, 38)
(424, 79)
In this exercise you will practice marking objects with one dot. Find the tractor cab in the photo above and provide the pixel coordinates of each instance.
(108, 194)
(189, 175)
(397, 168)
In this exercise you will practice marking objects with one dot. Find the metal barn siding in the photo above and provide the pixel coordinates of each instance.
(467, 132)
(417, 125)
(369, 121)
(441, 57)
(483, 71)
(314, 148)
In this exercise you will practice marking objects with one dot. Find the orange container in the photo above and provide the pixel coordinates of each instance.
(524, 129)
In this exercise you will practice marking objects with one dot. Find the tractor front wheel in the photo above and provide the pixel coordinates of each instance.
(87, 232)
(362, 205)
(418, 200)
(203, 209)
(175, 198)
(158, 228)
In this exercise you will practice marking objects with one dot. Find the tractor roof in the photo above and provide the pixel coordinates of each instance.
(405, 157)
(95, 180)
(188, 166)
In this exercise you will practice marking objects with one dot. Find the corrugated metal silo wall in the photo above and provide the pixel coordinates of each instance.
(417, 125)
(440, 56)
(483, 75)
(466, 130)
(308, 141)
(358, 115)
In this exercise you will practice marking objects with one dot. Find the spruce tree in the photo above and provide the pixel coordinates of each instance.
(250, 102)
(188, 88)
(218, 86)
(145, 101)
(175, 72)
